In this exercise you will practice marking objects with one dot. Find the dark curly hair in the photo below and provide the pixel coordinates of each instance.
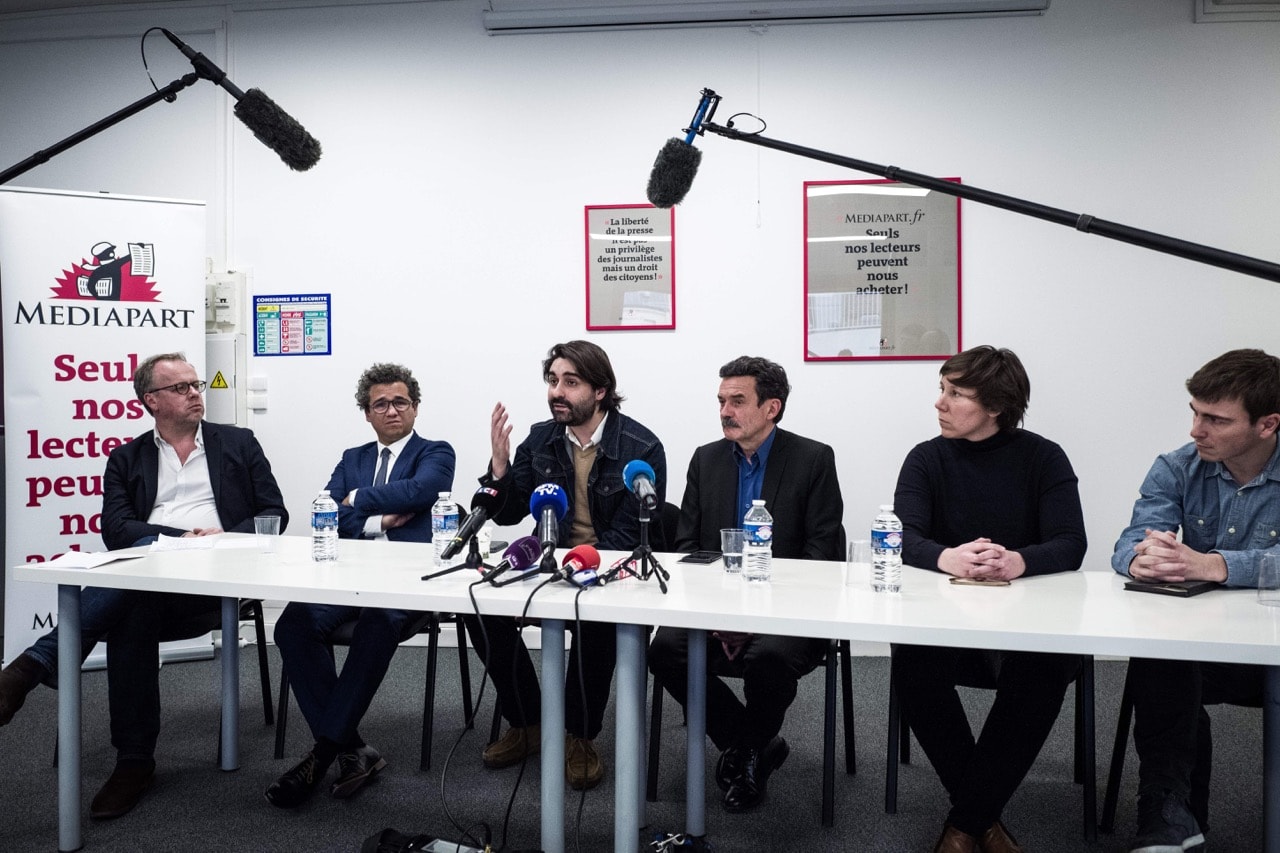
(385, 373)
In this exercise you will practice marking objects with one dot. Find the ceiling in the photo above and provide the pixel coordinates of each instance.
(48, 5)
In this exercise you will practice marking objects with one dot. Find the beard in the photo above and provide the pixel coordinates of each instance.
(577, 415)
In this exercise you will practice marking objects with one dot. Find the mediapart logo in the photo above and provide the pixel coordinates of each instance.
(107, 278)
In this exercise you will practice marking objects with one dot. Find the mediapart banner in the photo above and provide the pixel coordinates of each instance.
(90, 285)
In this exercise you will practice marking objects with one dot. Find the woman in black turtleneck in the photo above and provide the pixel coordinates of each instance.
(985, 499)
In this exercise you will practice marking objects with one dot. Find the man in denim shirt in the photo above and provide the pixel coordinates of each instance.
(1223, 492)
(582, 449)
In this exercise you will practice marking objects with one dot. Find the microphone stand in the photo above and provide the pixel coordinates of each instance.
(168, 93)
(646, 564)
(1080, 221)
(472, 561)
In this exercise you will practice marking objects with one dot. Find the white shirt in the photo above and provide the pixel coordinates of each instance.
(373, 524)
(184, 493)
(595, 436)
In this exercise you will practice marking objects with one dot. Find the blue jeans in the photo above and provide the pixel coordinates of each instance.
(335, 704)
(133, 624)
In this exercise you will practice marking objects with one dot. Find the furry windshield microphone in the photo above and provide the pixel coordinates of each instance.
(273, 127)
(673, 173)
(278, 130)
(677, 162)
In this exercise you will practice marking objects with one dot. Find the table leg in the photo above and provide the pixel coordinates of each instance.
(629, 676)
(68, 718)
(230, 753)
(553, 735)
(1271, 761)
(696, 714)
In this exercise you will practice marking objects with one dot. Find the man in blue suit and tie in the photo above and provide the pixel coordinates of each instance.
(385, 489)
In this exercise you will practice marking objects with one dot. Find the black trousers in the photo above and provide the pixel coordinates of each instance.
(1171, 729)
(982, 773)
(769, 666)
(595, 644)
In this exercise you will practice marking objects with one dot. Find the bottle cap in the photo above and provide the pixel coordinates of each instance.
(886, 507)
(759, 502)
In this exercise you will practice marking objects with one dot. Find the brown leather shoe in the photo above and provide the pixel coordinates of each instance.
(513, 746)
(998, 840)
(953, 840)
(16, 681)
(583, 768)
(123, 788)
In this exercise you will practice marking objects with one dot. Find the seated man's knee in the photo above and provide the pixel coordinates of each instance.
(668, 650)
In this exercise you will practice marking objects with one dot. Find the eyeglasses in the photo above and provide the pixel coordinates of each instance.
(182, 389)
(382, 406)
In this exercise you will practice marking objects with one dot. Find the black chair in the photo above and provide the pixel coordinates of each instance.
(1115, 771)
(197, 626)
(427, 623)
(1085, 764)
(838, 652)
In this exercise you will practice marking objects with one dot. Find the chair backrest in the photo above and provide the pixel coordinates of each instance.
(670, 521)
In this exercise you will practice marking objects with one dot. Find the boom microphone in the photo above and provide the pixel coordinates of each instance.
(548, 504)
(638, 476)
(483, 505)
(520, 555)
(580, 564)
(274, 128)
(677, 162)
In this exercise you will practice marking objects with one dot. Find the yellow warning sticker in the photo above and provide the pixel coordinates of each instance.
(219, 381)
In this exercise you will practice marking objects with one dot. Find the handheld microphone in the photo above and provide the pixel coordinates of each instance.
(520, 555)
(580, 564)
(484, 503)
(548, 504)
(677, 163)
(274, 128)
(639, 477)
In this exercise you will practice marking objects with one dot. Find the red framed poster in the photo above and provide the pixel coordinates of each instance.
(631, 267)
(881, 271)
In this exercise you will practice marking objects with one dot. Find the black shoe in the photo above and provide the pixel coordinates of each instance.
(729, 767)
(16, 681)
(123, 788)
(747, 790)
(355, 770)
(296, 786)
(1165, 825)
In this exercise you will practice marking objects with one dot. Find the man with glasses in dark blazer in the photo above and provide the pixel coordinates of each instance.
(187, 477)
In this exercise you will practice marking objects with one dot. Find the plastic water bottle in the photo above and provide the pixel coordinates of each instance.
(324, 529)
(444, 524)
(886, 551)
(757, 549)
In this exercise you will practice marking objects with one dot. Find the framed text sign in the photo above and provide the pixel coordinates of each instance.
(631, 263)
(881, 271)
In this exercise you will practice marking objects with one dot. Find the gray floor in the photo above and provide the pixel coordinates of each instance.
(195, 807)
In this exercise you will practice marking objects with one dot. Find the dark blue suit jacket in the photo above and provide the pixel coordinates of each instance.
(239, 472)
(423, 470)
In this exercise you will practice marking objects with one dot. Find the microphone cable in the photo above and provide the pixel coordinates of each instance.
(465, 832)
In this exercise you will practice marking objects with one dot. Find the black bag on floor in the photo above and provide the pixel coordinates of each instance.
(390, 841)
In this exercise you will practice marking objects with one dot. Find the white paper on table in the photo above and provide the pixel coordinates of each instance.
(203, 543)
(182, 543)
(87, 560)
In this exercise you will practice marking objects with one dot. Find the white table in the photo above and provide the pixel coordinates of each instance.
(1078, 612)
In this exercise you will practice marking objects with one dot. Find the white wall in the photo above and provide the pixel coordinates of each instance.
(446, 214)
